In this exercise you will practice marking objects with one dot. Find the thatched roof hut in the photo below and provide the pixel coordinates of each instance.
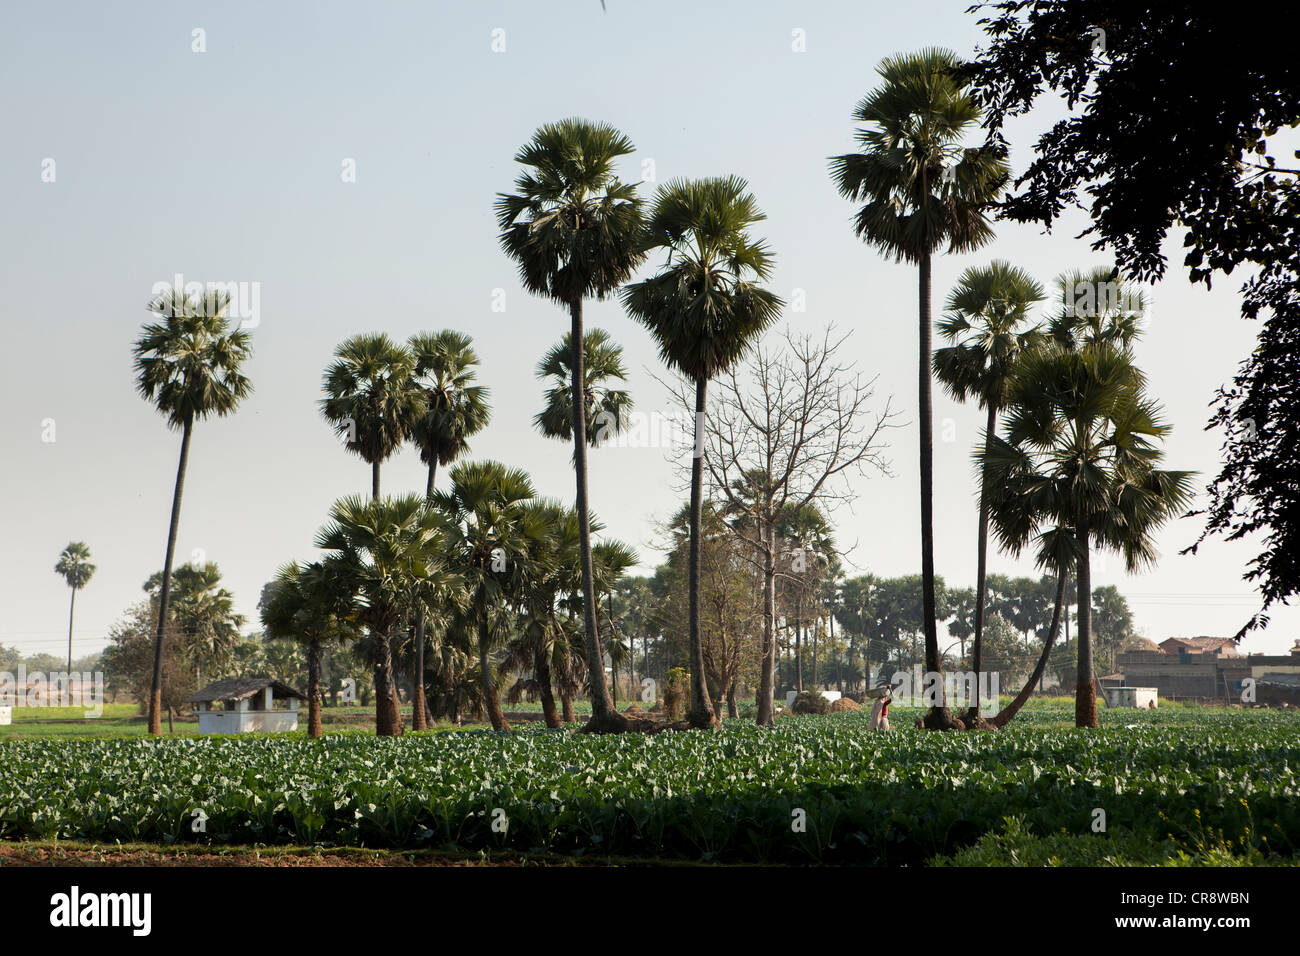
(240, 704)
(241, 688)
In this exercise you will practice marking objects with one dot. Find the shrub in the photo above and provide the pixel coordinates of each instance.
(811, 702)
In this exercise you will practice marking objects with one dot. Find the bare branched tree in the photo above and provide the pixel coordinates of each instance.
(787, 429)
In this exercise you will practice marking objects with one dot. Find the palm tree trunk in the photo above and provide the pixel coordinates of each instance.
(387, 715)
(702, 714)
(164, 598)
(981, 566)
(767, 671)
(543, 669)
(1085, 692)
(374, 480)
(418, 705)
(313, 689)
(604, 718)
(417, 701)
(938, 718)
(1004, 716)
(72, 607)
(490, 700)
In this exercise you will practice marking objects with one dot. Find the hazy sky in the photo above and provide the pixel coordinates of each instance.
(226, 165)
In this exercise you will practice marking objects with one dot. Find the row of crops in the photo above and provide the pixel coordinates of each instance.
(814, 789)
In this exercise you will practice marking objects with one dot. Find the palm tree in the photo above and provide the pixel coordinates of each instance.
(575, 231)
(203, 612)
(607, 407)
(920, 190)
(312, 604)
(489, 537)
(704, 310)
(552, 570)
(454, 410)
(1080, 453)
(390, 553)
(371, 398)
(74, 564)
(986, 335)
(187, 364)
(1096, 306)
(611, 560)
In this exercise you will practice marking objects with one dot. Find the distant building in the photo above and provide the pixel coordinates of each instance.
(1199, 647)
(1204, 668)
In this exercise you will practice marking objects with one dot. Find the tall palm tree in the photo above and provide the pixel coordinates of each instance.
(705, 309)
(187, 364)
(390, 553)
(985, 328)
(74, 564)
(607, 406)
(575, 230)
(920, 189)
(454, 410)
(1081, 453)
(489, 539)
(313, 604)
(372, 399)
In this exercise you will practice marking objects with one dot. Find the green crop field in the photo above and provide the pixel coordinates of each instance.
(1179, 785)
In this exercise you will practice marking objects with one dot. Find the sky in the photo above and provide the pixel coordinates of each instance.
(342, 159)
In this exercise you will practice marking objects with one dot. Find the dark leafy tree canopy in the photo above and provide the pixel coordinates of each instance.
(311, 602)
(1171, 113)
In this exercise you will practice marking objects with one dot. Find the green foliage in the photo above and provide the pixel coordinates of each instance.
(1218, 785)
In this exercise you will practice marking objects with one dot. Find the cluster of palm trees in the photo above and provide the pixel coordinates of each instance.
(455, 571)
(1077, 467)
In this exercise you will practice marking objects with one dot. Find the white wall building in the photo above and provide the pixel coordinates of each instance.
(243, 704)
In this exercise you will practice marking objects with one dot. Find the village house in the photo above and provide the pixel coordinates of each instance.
(242, 704)
(1210, 668)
